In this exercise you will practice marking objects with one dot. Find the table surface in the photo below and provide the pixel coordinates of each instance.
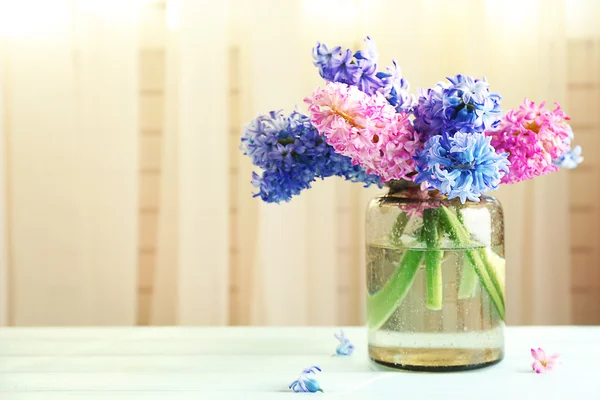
(259, 363)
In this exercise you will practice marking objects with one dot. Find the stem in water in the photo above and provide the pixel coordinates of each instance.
(433, 261)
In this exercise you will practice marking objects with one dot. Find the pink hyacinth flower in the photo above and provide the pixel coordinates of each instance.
(533, 136)
(365, 128)
(543, 363)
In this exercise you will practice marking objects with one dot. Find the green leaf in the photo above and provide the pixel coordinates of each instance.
(478, 257)
(382, 304)
(469, 282)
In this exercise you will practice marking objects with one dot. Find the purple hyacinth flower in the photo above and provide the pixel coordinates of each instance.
(460, 104)
(360, 69)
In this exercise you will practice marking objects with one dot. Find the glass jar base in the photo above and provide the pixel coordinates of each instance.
(434, 359)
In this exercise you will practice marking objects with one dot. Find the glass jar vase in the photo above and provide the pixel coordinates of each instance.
(435, 280)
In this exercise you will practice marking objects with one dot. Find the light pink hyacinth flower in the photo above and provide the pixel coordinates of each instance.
(365, 128)
(542, 363)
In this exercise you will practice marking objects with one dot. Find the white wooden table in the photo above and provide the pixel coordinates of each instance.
(259, 363)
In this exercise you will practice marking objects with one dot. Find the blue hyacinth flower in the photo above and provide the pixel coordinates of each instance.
(571, 159)
(307, 381)
(462, 166)
(292, 154)
(345, 348)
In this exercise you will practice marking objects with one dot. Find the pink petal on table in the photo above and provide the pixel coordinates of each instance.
(553, 362)
(541, 354)
(534, 354)
(538, 367)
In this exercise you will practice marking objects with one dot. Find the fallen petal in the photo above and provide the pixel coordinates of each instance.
(534, 354)
(541, 354)
(538, 367)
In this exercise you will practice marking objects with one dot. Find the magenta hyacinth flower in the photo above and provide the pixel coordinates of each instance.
(534, 137)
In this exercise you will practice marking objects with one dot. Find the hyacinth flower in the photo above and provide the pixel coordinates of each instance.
(307, 382)
(537, 141)
(292, 154)
(543, 363)
(365, 128)
(570, 159)
(460, 104)
(464, 165)
(360, 69)
(345, 348)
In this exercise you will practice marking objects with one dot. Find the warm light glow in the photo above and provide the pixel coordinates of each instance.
(22, 18)
(513, 14)
(173, 14)
(333, 11)
(112, 9)
(582, 18)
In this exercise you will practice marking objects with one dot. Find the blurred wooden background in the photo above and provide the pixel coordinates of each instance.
(125, 199)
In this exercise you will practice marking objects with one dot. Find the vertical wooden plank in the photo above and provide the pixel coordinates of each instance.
(238, 284)
(4, 266)
(584, 97)
(164, 304)
(244, 232)
(203, 163)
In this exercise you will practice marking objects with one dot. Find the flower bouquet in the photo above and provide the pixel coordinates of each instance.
(435, 255)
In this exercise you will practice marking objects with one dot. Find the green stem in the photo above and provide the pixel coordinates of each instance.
(468, 281)
(493, 269)
(398, 229)
(478, 258)
(498, 266)
(433, 270)
(433, 261)
(487, 280)
(381, 305)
